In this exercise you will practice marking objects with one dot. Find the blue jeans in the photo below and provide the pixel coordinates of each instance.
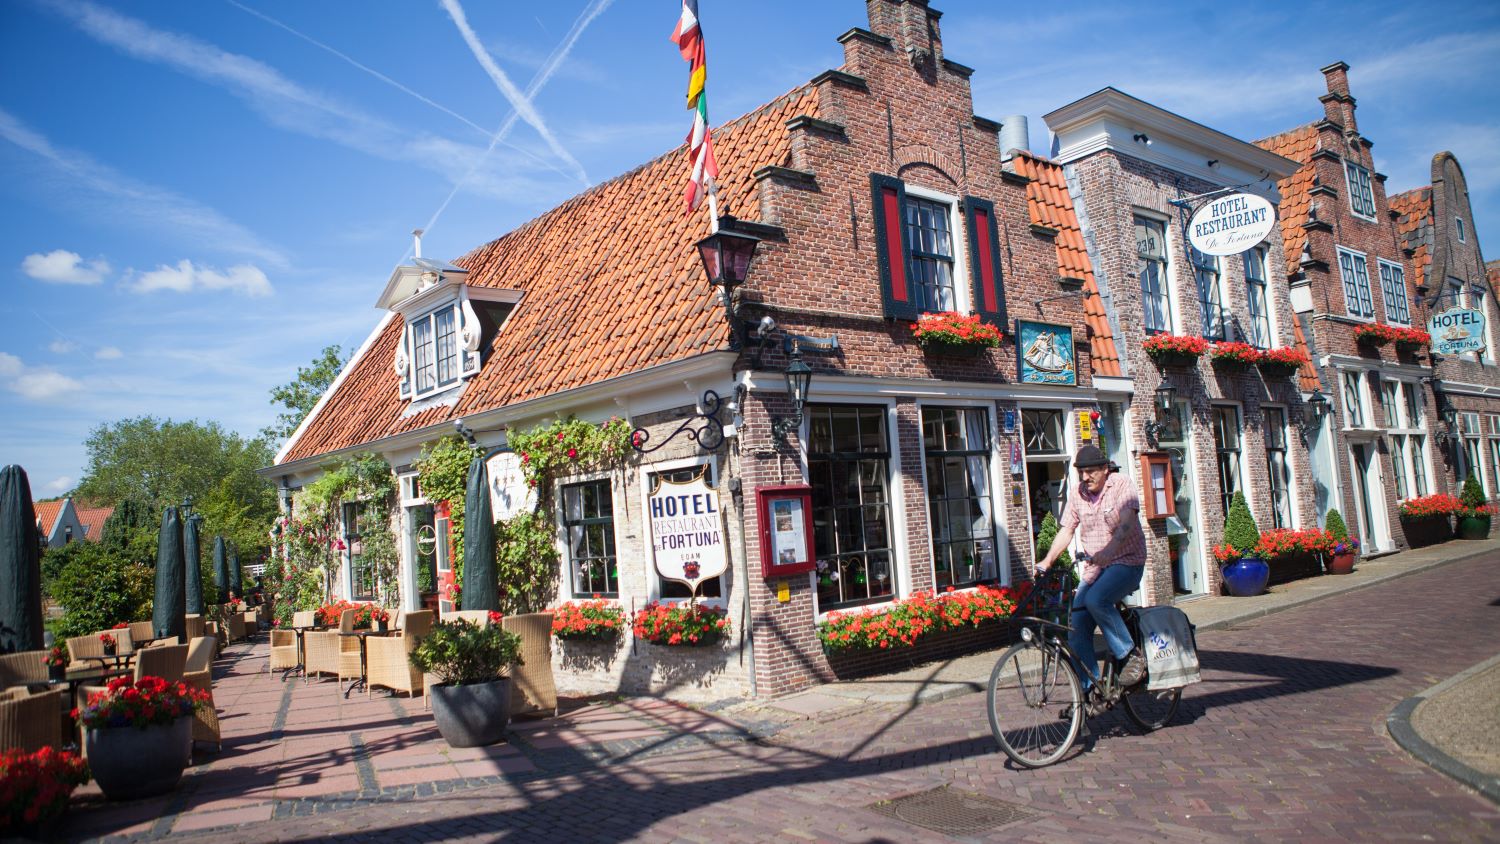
(1095, 603)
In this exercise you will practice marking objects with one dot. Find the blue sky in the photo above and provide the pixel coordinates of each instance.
(202, 195)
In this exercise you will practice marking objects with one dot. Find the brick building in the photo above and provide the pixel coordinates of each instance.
(1137, 173)
(878, 195)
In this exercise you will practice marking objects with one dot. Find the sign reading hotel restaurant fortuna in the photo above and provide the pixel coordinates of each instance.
(1230, 225)
(687, 531)
(1457, 330)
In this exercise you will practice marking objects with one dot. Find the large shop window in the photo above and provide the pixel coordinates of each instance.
(589, 525)
(364, 580)
(1356, 275)
(1393, 285)
(712, 587)
(1255, 297)
(917, 238)
(1361, 193)
(848, 462)
(956, 443)
(1151, 249)
(1210, 294)
(1227, 444)
(1277, 469)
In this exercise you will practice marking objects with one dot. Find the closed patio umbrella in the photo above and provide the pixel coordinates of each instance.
(481, 584)
(236, 583)
(221, 568)
(190, 562)
(20, 565)
(169, 613)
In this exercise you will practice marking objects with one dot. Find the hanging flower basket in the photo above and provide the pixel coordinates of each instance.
(1174, 350)
(1234, 356)
(1377, 334)
(680, 624)
(1409, 340)
(589, 621)
(1281, 363)
(949, 333)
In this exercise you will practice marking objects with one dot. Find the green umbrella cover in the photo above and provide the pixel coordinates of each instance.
(221, 568)
(20, 565)
(236, 583)
(169, 614)
(481, 584)
(190, 563)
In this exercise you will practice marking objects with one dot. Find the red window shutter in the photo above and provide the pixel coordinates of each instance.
(984, 260)
(889, 197)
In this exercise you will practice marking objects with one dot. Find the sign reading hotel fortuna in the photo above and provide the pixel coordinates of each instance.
(1457, 330)
(687, 531)
(1231, 225)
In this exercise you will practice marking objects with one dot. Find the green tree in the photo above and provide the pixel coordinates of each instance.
(301, 395)
(1240, 531)
(98, 587)
(1045, 536)
(1473, 494)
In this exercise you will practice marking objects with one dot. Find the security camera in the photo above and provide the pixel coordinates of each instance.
(765, 326)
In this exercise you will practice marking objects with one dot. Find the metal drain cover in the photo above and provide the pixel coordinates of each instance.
(946, 810)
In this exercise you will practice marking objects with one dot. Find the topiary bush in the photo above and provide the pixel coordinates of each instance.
(1473, 494)
(1239, 528)
(1334, 524)
(1045, 536)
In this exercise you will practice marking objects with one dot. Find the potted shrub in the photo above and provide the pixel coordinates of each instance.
(1245, 575)
(953, 333)
(1340, 559)
(592, 621)
(34, 790)
(1428, 520)
(1174, 350)
(1234, 356)
(1281, 363)
(138, 735)
(680, 624)
(1474, 516)
(471, 700)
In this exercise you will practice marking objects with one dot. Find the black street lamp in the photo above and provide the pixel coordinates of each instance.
(726, 257)
(798, 382)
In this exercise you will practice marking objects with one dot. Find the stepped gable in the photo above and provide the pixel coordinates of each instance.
(1414, 228)
(612, 286)
(1051, 205)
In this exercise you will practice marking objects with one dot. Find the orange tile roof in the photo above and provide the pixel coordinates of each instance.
(93, 519)
(612, 286)
(1050, 204)
(1414, 228)
(47, 513)
(1298, 144)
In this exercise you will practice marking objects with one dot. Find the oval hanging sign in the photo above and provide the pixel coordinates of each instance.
(1231, 225)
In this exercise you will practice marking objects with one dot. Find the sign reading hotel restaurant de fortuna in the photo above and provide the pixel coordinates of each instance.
(1231, 225)
(687, 531)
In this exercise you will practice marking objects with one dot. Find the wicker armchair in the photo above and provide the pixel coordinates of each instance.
(251, 620)
(532, 688)
(320, 653)
(141, 632)
(284, 652)
(305, 618)
(22, 668)
(198, 673)
(195, 627)
(31, 722)
(81, 648)
(479, 617)
(164, 661)
(351, 666)
(388, 657)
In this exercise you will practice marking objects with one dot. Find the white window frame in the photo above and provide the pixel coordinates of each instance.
(1393, 287)
(999, 533)
(1361, 395)
(1199, 288)
(1169, 303)
(1473, 461)
(1257, 257)
(1289, 485)
(1356, 280)
(408, 337)
(959, 240)
(1361, 190)
(1409, 437)
(1479, 301)
(564, 545)
(1242, 468)
(1459, 224)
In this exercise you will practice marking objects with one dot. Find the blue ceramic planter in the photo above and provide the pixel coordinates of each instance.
(1247, 577)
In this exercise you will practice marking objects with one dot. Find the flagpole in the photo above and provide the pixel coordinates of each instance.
(713, 206)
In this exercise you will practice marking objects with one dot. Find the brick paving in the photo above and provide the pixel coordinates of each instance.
(1284, 740)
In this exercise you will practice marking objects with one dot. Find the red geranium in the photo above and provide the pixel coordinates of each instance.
(903, 622)
(1429, 506)
(1234, 352)
(678, 624)
(953, 329)
(140, 703)
(596, 619)
(35, 786)
(1166, 346)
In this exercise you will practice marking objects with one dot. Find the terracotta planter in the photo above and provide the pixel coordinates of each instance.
(1340, 563)
(1474, 527)
(131, 762)
(1247, 577)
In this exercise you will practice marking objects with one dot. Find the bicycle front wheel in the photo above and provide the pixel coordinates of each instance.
(1035, 704)
(1151, 710)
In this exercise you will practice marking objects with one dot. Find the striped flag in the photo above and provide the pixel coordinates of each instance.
(688, 37)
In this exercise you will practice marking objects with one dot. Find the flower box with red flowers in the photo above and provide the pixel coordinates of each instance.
(35, 787)
(947, 332)
(1411, 339)
(1377, 334)
(140, 703)
(596, 620)
(904, 622)
(1234, 356)
(366, 616)
(680, 624)
(1281, 363)
(1440, 505)
(1174, 349)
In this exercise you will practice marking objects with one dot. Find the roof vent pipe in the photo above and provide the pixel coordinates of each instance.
(1014, 135)
(416, 243)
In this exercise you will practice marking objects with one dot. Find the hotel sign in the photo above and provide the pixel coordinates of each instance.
(1231, 225)
(1456, 331)
(687, 531)
(1046, 354)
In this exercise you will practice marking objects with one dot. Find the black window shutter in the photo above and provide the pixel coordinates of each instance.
(889, 195)
(984, 260)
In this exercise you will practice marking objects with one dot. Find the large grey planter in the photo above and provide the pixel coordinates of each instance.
(130, 762)
(472, 715)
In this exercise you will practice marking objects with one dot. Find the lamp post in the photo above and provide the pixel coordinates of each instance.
(798, 382)
(726, 256)
(1314, 409)
(1162, 401)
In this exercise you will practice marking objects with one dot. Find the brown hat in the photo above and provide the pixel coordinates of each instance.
(1089, 456)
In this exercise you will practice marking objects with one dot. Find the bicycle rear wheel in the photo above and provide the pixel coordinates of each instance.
(1035, 704)
(1151, 710)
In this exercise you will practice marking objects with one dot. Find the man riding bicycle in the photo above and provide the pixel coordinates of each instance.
(1103, 509)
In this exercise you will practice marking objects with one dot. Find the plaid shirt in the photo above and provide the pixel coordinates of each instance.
(1094, 519)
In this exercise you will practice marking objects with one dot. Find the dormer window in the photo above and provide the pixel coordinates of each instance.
(448, 323)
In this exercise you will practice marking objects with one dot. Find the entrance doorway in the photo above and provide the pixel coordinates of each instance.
(1184, 545)
(1044, 438)
(1369, 492)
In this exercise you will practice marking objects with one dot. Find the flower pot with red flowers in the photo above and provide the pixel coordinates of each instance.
(1376, 334)
(1174, 350)
(680, 625)
(34, 790)
(1233, 357)
(1244, 574)
(56, 661)
(108, 642)
(1281, 363)
(138, 735)
(598, 620)
(1409, 340)
(949, 333)
(471, 700)
(1428, 520)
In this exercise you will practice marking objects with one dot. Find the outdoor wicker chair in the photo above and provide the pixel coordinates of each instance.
(389, 657)
(251, 620)
(532, 688)
(320, 653)
(195, 627)
(351, 667)
(22, 668)
(479, 617)
(141, 632)
(284, 652)
(81, 648)
(198, 673)
(164, 661)
(30, 722)
(305, 618)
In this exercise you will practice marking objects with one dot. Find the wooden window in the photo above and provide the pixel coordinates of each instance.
(1361, 193)
(848, 463)
(1161, 496)
(589, 526)
(956, 446)
(1151, 250)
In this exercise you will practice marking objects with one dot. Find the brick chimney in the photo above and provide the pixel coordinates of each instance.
(911, 25)
(1338, 106)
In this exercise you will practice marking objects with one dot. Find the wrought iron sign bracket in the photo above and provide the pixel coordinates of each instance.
(709, 437)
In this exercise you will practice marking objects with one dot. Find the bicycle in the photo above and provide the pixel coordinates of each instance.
(1036, 702)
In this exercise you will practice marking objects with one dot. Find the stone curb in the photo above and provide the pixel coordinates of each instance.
(1398, 724)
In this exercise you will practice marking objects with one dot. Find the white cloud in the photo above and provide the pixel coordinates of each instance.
(10, 365)
(37, 384)
(63, 267)
(62, 347)
(59, 484)
(108, 353)
(185, 278)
